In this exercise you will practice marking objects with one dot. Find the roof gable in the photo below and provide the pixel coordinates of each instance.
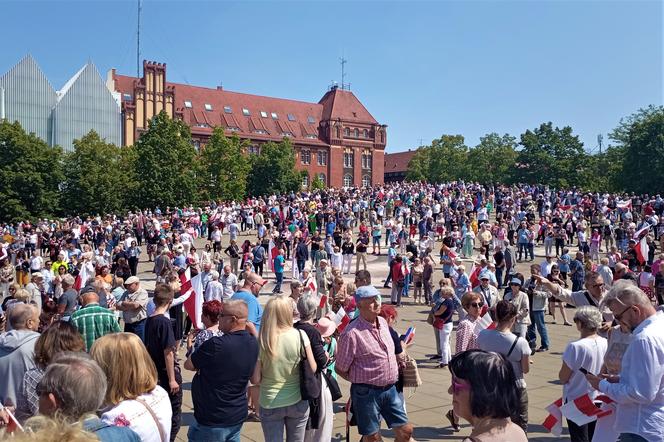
(344, 105)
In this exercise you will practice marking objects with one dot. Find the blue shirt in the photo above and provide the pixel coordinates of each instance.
(254, 307)
(279, 262)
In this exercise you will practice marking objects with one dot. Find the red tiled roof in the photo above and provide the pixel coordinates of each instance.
(398, 162)
(343, 104)
(200, 96)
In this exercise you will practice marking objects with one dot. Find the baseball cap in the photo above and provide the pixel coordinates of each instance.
(132, 280)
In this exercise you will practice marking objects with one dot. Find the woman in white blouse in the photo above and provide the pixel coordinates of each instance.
(133, 398)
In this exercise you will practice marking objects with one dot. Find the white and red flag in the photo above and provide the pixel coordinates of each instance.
(642, 249)
(554, 421)
(484, 323)
(272, 253)
(194, 303)
(583, 410)
(474, 275)
(341, 318)
(624, 205)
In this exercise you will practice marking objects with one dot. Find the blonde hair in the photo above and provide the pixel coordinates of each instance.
(45, 429)
(127, 365)
(277, 317)
(22, 295)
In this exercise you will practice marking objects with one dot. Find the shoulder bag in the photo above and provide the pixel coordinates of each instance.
(309, 383)
(411, 375)
(162, 434)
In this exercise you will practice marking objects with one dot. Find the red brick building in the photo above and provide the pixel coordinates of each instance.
(336, 139)
(396, 165)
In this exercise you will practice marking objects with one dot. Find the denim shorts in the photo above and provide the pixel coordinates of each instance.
(203, 433)
(370, 403)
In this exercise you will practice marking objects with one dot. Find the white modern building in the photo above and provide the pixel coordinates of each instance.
(59, 117)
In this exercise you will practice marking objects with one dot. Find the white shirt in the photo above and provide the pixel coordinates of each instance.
(214, 290)
(139, 418)
(640, 392)
(229, 283)
(585, 353)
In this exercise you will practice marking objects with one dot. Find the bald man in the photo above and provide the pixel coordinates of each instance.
(16, 350)
(223, 366)
(92, 320)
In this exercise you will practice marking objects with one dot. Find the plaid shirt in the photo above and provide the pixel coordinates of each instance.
(366, 352)
(94, 321)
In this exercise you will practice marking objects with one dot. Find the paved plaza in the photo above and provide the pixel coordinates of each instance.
(427, 404)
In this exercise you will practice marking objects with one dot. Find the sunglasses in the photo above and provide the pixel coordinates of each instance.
(458, 386)
(476, 304)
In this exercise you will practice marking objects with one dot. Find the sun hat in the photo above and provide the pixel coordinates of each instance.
(325, 326)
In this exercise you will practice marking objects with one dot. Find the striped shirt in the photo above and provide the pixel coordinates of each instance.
(93, 322)
(366, 352)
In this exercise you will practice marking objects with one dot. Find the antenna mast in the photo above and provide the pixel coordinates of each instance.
(343, 62)
(138, 42)
(600, 138)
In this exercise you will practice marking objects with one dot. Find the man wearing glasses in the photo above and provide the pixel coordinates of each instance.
(639, 389)
(249, 294)
(593, 295)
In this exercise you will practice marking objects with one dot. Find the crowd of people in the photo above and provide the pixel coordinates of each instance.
(69, 287)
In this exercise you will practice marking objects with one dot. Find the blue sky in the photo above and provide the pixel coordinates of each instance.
(423, 68)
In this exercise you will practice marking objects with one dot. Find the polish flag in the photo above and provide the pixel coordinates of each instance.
(624, 205)
(642, 249)
(341, 319)
(451, 253)
(554, 421)
(272, 253)
(484, 323)
(323, 301)
(193, 305)
(583, 410)
(474, 276)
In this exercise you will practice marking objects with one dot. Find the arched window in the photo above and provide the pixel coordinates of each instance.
(348, 180)
(305, 181)
(321, 176)
(347, 132)
(366, 181)
(356, 133)
(366, 133)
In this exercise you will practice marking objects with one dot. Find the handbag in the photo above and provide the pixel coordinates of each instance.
(333, 385)
(411, 375)
(430, 318)
(309, 383)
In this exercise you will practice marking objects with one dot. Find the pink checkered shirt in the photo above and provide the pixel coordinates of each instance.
(366, 352)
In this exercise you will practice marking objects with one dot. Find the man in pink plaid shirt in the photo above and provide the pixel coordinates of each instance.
(365, 357)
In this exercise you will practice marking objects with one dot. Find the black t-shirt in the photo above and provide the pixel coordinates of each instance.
(159, 337)
(219, 388)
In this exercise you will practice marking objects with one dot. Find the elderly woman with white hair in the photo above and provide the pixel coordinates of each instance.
(584, 354)
(214, 288)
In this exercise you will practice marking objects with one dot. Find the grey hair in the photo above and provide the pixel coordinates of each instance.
(77, 382)
(589, 317)
(20, 314)
(214, 275)
(306, 307)
(68, 280)
(625, 292)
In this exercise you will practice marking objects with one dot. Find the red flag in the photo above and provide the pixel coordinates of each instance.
(554, 422)
(475, 275)
(323, 301)
(193, 305)
(583, 410)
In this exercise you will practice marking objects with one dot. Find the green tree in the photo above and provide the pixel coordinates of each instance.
(273, 170)
(95, 177)
(30, 175)
(639, 141)
(493, 159)
(418, 166)
(447, 159)
(552, 156)
(166, 173)
(224, 168)
(317, 184)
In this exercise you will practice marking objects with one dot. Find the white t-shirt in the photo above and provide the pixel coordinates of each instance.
(136, 416)
(589, 354)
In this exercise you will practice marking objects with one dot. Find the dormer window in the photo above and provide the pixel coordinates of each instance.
(187, 104)
(208, 107)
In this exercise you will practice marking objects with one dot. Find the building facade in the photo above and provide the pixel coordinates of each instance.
(396, 166)
(335, 139)
(60, 117)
